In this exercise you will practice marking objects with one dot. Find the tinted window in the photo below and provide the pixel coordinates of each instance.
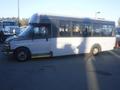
(44, 30)
(40, 32)
(64, 29)
(107, 30)
(36, 31)
(102, 30)
(76, 30)
(96, 30)
(86, 30)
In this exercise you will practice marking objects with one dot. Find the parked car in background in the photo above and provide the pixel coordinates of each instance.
(8, 28)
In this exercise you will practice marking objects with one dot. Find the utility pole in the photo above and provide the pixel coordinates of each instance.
(18, 13)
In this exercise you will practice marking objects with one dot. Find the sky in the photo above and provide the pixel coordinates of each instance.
(109, 9)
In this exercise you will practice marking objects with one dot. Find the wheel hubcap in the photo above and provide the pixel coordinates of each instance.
(95, 51)
(22, 56)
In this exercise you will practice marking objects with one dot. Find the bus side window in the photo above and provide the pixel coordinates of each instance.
(64, 29)
(85, 32)
(40, 32)
(96, 30)
(76, 31)
(107, 30)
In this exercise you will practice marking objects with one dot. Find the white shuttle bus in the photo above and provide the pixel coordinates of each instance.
(48, 36)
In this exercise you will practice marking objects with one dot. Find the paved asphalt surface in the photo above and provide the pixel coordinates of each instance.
(81, 72)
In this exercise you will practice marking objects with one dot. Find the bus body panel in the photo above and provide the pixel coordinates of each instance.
(69, 46)
(36, 46)
(65, 46)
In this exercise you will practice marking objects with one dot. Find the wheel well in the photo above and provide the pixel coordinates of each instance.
(23, 48)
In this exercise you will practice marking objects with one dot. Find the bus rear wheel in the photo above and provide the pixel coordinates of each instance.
(95, 50)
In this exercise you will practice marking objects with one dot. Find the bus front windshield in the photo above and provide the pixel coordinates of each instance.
(26, 32)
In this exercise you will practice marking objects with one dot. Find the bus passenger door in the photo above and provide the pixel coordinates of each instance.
(41, 39)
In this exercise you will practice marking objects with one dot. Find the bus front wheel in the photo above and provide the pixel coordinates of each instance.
(22, 54)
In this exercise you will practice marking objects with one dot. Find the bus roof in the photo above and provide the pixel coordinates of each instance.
(86, 20)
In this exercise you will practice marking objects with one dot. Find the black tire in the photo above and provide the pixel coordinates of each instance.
(22, 54)
(95, 50)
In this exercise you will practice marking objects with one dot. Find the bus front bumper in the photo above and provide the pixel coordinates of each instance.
(6, 49)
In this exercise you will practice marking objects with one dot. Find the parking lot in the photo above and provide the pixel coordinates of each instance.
(81, 72)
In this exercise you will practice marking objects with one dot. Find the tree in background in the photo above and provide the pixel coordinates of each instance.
(24, 22)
